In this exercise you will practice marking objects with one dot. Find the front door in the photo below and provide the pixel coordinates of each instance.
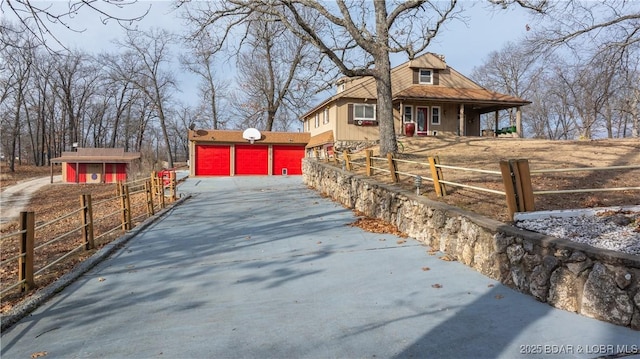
(422, 121)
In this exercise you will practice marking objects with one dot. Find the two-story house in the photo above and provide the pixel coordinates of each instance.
(429, 98)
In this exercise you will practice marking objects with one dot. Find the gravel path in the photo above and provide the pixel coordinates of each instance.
(617, 230)
(14, 198)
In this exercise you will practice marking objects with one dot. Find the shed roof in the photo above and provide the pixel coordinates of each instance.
(321, 139)
(97, 155)
(230, 136)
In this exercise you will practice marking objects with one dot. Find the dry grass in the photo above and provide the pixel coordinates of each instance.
(50, 203)
(486, 153)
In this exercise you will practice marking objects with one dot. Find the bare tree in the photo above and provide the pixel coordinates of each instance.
(355, 38)
(512, 70)
(200, 61)
(151, 50)
(19, 64)
(40, 19)
(275, 74)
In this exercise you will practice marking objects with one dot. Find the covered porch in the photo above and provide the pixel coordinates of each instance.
(435, 110)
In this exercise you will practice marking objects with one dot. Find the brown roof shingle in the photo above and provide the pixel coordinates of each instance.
(94, 155)
(458, 94)
(268, 137)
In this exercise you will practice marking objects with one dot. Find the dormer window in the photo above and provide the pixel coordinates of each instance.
(426, 76)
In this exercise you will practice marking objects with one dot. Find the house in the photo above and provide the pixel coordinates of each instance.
(95, 165)
(228, 153)
(429, 98)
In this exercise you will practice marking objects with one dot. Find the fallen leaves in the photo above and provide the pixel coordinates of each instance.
(437, 286)
(376, 225)
(424, 269)
(39, 354)
(448, 258)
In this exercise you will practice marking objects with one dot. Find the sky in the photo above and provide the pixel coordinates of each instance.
(464, 45)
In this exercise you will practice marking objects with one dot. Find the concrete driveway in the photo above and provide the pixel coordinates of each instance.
(263, 267)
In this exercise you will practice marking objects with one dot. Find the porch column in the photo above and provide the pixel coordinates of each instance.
(519, 121)
(461, 129)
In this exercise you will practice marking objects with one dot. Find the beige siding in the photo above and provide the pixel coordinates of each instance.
(453, 79)
(401, 78)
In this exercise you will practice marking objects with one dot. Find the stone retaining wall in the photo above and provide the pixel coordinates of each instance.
(594, 282)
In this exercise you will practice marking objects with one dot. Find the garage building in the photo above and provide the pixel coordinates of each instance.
(227, 153)
(95, 165)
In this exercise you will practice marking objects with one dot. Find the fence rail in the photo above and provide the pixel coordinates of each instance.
(80, 232)
(515, 176)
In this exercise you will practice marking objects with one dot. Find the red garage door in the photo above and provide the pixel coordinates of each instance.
(252, 160)
(289, 157)
(213, 160)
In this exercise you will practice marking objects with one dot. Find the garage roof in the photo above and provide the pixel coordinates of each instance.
(97, 155)
(268, 137)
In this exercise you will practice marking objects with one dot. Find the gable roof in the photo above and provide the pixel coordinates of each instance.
(233, 136)
(94, 155)
(462, 89)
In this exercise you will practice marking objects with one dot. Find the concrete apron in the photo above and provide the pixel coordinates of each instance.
(263, 267)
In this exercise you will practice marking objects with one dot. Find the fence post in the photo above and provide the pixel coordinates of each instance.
(123, 206)
(525, 185)
(436, 174)
(172, 186)
(509, 188)
(347, 161)
(160, 188)
(392, 167)
(369, 170)
(86, 216)
(27, 238)
(148, 189)
(127, 201)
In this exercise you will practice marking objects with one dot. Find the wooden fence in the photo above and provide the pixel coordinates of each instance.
(514, 176)
(136, 200)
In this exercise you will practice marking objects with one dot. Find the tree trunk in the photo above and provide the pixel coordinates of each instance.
(384, 109)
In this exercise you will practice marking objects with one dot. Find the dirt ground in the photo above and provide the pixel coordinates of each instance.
(52, 202)
(486, 153)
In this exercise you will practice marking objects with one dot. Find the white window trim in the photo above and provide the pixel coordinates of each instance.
(439, 115)
(317, 123)
(356, 118)
(430, 82)
(325, 116)
(404, 113)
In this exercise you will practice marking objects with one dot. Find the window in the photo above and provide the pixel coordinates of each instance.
(308, 123)
(435, 115)
(317, 120)
(408, 113)
(426, 76)
(325, 116)
(364, 112)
